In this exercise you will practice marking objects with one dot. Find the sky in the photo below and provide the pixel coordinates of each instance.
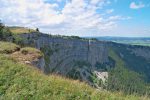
(125, 18)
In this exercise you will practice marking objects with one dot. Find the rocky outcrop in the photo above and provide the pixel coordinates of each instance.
(139, 52)
(30, 56)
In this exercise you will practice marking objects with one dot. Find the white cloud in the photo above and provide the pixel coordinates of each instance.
(109, 11)
(117, 17)
(29, 12)
(96, 1)
(139, 5)
(75, 16)
(59, 0)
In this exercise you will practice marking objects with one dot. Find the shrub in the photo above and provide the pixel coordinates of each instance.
(4, 32)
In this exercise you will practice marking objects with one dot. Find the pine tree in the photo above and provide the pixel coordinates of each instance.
(37, 29)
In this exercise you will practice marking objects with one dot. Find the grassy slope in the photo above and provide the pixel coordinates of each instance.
(126, 80)
(132, 61)
(22, 82)
(20, 30)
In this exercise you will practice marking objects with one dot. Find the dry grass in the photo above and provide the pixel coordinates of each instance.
(27, 54)
(20, 30)
(7, 47)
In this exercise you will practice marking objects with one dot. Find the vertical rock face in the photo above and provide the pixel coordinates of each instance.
(40, 63)
(81, 58)
(142, 52)
(75, 58)
(98, 52)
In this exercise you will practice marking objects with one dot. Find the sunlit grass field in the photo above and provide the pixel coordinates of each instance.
(20, 30)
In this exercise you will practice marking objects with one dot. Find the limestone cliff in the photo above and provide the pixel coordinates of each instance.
(75, 58)
(84, 59)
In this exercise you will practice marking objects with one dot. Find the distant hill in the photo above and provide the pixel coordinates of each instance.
(145, 41)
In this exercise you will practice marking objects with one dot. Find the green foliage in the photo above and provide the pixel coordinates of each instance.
(75, 37)
(18, 40)
(37, 29)
(122, 79)
(97, 81)
(94, 39)
(74, 74)
(93, 78)
(81, 64)
(133, 62)
(47, 51)
(4, 32)
(101, 66)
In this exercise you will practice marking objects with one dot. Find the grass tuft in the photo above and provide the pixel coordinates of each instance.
(7, 47)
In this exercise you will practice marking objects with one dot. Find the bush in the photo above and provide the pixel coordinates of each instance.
(4, 32)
